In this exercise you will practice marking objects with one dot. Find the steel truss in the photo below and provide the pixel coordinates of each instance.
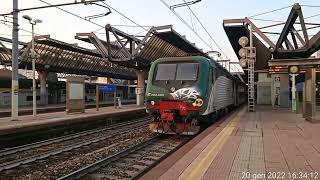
(127, 50)
(285, 48)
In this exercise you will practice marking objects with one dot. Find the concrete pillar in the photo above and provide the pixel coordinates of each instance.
(310, 95)
(128, 93)
(140, 88)
(304, 94)
(284, 91)
(43, 87)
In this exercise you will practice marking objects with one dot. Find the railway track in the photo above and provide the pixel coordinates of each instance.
(8, 151)
(133, 162)
(27, 160)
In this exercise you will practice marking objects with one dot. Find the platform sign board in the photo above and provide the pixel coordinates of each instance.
(76, 91)
(75, 101)
(109, 88)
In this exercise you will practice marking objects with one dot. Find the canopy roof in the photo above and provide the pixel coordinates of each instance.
(129, 51)
(58, 56)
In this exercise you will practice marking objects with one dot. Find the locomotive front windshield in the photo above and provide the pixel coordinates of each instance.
(180, 71)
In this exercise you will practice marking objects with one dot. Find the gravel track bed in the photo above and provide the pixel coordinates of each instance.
(135, 163)
(62, 164)
(43, 149)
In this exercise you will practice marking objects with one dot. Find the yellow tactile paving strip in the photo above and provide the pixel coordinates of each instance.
(199, 166)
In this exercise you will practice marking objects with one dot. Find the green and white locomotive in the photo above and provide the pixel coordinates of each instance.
(182, 92)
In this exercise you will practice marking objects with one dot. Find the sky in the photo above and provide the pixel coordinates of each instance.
(63, 26)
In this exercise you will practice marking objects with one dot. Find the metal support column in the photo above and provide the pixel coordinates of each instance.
(293, 93)
(128, 97)
(15, 64)
(251, 91)
(251, 58)
(34, 86)
(140, 88)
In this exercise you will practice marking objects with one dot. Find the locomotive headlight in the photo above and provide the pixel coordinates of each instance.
(152, 103)
(198, 102)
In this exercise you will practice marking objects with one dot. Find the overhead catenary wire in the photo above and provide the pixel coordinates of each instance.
(184, 22)
(125, 25)
(303, 5)
(205, 29)
(19, 35)
(102, 28)
(10, 26)
(267, 12)
(315, 15)
(124, 16)
(121, 25)
(72, 14)
(267, 20)
(143, 27)
(5, 21)
(278, 21)
(191, 19)
(312, 6)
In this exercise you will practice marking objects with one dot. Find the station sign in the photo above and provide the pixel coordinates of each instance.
(109, 88)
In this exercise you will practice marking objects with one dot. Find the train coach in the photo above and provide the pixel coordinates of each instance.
(183, 92)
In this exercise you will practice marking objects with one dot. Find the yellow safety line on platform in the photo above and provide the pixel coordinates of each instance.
(199, 166)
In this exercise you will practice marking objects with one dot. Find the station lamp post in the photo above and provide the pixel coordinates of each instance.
(33, 22)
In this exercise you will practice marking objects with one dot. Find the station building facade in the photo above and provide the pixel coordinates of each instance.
(56, 90)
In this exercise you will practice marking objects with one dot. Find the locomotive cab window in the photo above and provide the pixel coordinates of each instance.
(187, 72)
(179, 72)
(166, 72)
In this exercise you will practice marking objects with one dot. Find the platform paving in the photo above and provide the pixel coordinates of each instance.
(25, 110)
(28, 122)
(267, 144)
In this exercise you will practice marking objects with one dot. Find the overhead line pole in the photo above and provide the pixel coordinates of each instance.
(15, 63)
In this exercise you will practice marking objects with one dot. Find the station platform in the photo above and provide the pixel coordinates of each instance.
(267, 144)
(24, 110)
(47, 120)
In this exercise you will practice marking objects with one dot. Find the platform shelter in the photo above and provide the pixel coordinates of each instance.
(285, 69)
